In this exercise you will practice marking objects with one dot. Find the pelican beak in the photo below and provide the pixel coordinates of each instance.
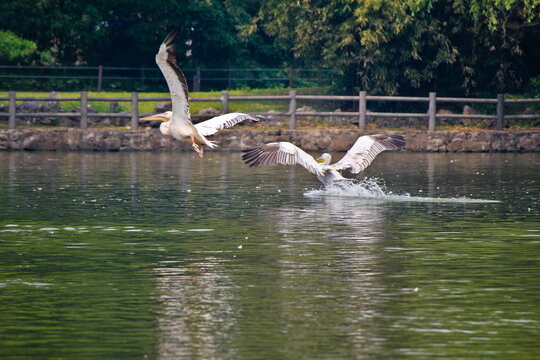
(156, 117)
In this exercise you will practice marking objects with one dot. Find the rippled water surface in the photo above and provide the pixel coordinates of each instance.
(168, 256)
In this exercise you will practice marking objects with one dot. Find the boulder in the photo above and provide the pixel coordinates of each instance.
(445, 120)
(208, 113)
(162, 107)
(69, 122)
(51, 107)
(114, 107)
(467, 110)
(277, 119)
(121, 121)
(338, 120)
(28, 107)
(307, 109)
(90, 110)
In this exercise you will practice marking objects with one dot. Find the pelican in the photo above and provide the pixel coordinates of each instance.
(359, 156)
(177, 123)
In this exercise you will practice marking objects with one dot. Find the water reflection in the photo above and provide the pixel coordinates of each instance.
(198, 313)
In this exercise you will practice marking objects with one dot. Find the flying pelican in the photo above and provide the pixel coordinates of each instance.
(177, 123)
(359, 156)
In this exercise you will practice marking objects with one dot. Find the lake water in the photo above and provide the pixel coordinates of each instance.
(168, 256)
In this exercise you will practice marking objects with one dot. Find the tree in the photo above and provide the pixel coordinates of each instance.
(409, 46)
(16, 51)
(128, 32)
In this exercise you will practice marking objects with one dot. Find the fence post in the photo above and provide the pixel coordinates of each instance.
(12, 123)
(291, 77)
(500, 111)
(224, 102)
(100, 78)
(134, 111)
(197, 80)
(292, 110)
(84, 110)
(362, 109)
(432, 110)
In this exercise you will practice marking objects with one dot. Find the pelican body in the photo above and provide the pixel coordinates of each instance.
(359, 156)
(177, 123)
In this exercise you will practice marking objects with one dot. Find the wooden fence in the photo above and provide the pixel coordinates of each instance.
(362, 115)
(98, 77)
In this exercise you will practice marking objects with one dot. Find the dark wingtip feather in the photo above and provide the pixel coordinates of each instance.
(391, 142)
(263, 118)
(170, 36)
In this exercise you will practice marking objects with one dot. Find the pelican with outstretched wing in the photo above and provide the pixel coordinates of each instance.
(359, 156)
(177, 123)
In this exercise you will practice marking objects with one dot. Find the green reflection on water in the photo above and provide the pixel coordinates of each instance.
(164, 255)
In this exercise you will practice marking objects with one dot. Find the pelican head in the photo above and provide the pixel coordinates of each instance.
(165, 117)
(324, 159)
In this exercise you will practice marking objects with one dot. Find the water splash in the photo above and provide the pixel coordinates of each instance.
(375, 189)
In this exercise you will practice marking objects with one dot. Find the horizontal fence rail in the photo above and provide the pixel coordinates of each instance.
(362, 115)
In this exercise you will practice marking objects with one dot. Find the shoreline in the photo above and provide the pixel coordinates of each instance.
(337, 140)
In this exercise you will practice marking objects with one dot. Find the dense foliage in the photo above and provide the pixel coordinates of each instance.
(382, 46)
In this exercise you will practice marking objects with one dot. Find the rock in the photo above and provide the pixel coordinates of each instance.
(395, 122)
(104, 122)
(445, 120)
(114, 107)
(69, 122)
(122, 121)
(89, 110)
(29, 107)
(343, 142)
(276, 118)
(54, 105)
(210, 112)
(338, 120)
(51, 107)
(313, 140)
(162, 107)
(414, 122)
(307, 109)
(467, 110)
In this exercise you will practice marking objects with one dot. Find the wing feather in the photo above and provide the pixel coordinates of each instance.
(365, 149)
(176, 80)
(283, 153)
(215, 124)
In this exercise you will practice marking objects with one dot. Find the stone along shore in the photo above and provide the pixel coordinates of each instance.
(149, 139)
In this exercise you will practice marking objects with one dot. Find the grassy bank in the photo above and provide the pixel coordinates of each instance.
(150, 106)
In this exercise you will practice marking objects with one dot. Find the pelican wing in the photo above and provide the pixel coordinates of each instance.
(365, 149)
(166, 60)
(215, 124)
(283, 153)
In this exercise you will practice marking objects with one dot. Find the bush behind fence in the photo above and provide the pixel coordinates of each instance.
(150, 79)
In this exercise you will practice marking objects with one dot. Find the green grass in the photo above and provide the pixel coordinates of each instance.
(150, 106)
